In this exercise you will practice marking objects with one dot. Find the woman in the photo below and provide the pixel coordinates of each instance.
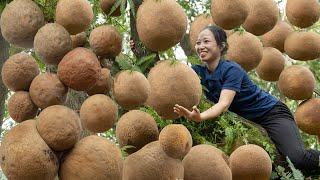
(230, 88)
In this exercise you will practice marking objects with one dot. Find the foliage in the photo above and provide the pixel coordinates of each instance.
(225, 132)
(281, 173)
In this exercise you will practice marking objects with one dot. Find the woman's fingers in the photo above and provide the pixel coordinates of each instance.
(183, 109)
(195, 109)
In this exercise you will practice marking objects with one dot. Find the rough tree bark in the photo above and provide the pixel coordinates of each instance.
(140, 50)
(4, 55)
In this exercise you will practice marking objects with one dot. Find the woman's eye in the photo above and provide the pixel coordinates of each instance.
(198, 43)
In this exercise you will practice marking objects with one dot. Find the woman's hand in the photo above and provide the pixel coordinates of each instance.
(193, 115)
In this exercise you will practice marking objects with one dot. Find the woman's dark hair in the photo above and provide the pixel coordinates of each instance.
(220, 37)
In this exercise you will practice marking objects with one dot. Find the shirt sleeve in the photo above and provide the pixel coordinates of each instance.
(232, 78)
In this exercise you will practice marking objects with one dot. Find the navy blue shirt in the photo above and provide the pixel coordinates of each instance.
(249, 102)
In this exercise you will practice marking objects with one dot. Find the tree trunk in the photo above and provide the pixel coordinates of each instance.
(4, 55)
(140, 51)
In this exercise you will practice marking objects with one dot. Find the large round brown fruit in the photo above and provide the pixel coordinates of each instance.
(21, 107)
(98, 113)
(136, 128)
(59, 126)
(173, 82)
(307, 116)
(153, 16)
(24, 154)
(93, 157)
(199, 23)
(259, 166)
(105, 41)
(104, 83)
(296, 82)
(78, 40)
(271, 65)
(151, 162)
(175, 140)
(229, 14)
(303, 45)
(106, 6)
(52, 42)
(79, 69)
(245, 49)
(131, 89)
(277, 36)
(263, 16)
(20, 21)
(303, 13)
(19, 71)
(205, 162)
(47, 90)
(76, 15)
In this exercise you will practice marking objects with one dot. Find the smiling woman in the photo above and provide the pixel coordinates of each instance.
(230, 87)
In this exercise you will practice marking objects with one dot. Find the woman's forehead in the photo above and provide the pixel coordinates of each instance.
(205, 34)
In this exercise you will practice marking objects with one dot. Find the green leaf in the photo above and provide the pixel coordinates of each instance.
(123, 7)
(194, 60)
(123, 63)
(296, 173)
(147, 63)
(146, 58)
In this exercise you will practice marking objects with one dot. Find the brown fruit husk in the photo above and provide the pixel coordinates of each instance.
(79, 69)
(103, 85)
(20, 21)
(277, 36)
(303, 46)
(262, 17)
(52, 42)
(175, 140)
(25, 155)
(271, 65)
(105, 41)
(76, 15)
(59, 126)
(47, 90)
(303, 13)
(307, 116)
(229, 14)
(21, 107)
(101, 157)
(19, 71)
(131, 89)
(153, 16)
(258, 167)
(106, 6)
(136, 128)
(296, 82)
(245, 49)
(173, 83)
(98, 113)
(78, 40)
(151, 162)
(205, 162)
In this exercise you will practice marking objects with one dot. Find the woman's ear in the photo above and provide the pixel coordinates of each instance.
(222, 46)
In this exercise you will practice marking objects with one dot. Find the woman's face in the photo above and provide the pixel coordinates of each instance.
(206, 46)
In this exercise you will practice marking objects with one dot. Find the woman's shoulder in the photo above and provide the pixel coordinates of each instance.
(229, 64)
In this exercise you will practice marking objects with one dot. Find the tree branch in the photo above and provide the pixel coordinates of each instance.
(4, 55)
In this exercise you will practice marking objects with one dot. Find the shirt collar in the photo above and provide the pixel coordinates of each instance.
(212, 75)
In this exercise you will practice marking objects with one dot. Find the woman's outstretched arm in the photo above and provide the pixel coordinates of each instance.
(225, 100)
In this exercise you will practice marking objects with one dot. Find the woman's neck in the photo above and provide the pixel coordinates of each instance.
(212, 65)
